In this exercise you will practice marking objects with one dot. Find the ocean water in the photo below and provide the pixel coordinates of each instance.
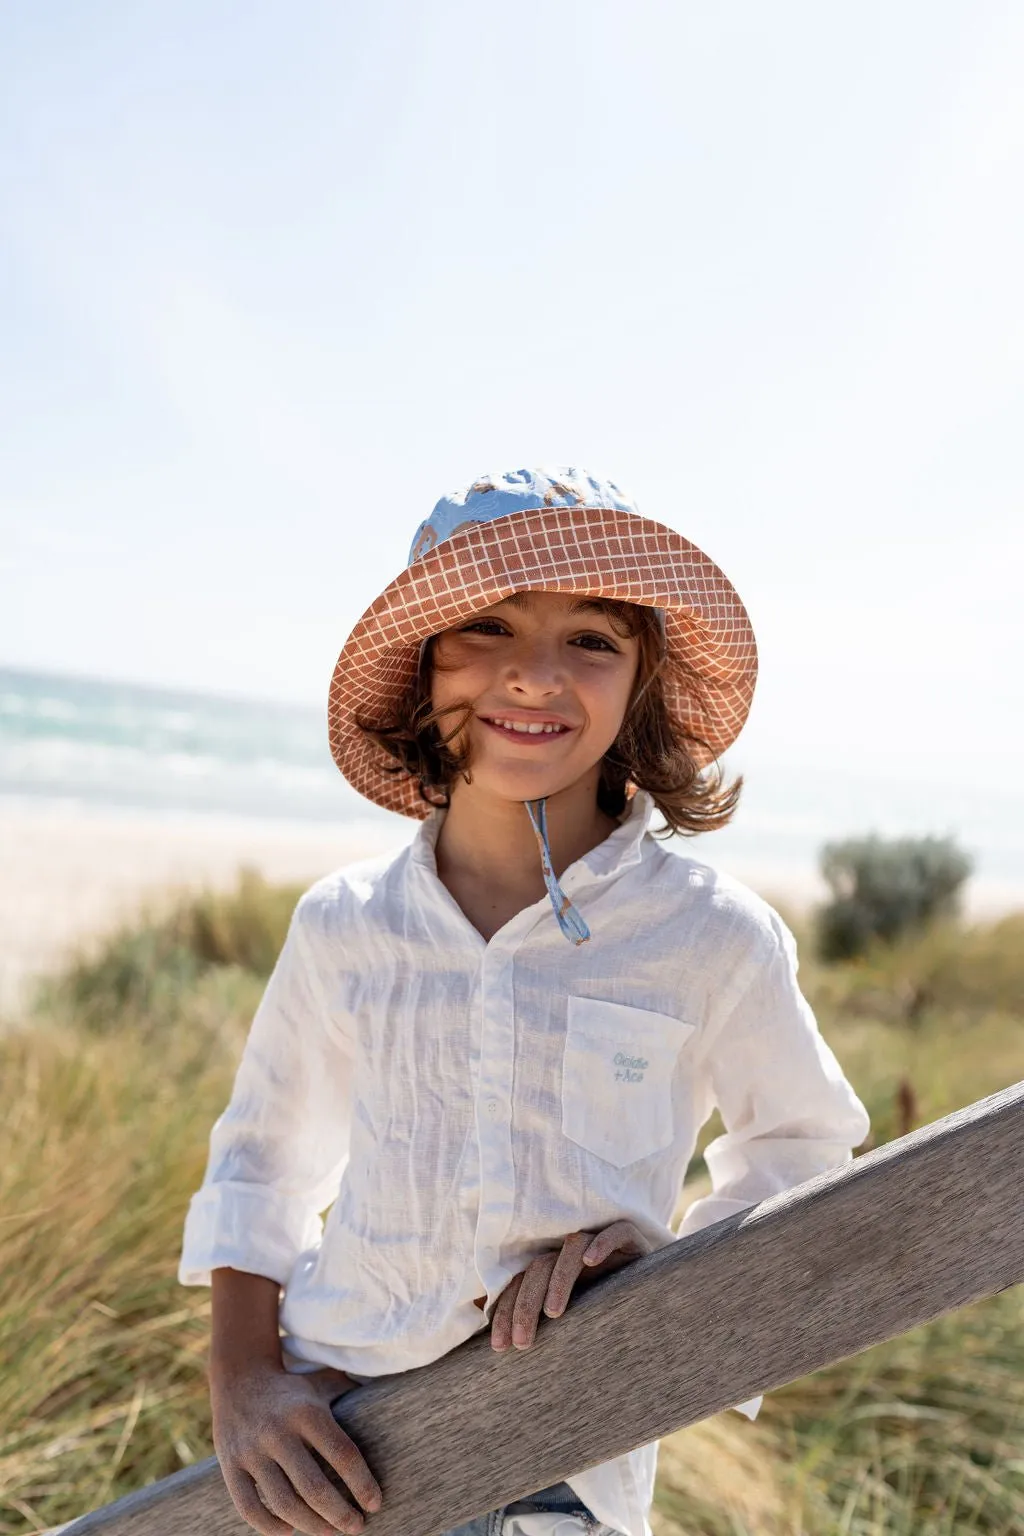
(86, 742)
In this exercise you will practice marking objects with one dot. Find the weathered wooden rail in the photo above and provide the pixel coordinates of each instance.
(905, 1233)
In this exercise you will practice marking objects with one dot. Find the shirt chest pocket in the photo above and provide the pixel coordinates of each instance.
(617, 1074)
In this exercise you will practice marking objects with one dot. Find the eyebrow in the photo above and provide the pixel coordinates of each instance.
(521, 600)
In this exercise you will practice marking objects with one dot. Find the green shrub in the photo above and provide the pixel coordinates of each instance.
(884, 889)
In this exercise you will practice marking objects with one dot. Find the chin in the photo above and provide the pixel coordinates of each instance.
(517, 785)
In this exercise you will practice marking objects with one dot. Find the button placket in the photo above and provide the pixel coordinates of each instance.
(494, 1107)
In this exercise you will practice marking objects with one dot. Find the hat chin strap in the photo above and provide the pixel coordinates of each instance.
(569, 919)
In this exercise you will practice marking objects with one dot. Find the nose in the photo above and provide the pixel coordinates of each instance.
(534, 670)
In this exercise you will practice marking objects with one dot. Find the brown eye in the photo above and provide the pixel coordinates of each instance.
(594, 643)
(484, 627)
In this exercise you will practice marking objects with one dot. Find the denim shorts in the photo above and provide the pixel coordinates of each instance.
(559, 1498)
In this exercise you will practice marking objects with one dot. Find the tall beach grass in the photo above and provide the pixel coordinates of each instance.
(109, 1085)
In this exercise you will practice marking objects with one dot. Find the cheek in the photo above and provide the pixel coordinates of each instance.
(456, 682)
(605, 694)
(440, 693)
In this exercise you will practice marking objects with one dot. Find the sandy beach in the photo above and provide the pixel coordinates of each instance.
(67, 874)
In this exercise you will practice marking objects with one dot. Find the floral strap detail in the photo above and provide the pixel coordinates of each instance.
(569, 919)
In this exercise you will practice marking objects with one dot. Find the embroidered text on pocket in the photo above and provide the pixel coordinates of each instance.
(617, 1078)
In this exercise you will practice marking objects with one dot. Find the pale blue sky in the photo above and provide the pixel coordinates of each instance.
(275, 277)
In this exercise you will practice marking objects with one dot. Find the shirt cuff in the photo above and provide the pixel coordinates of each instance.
(239, 1226)
(710, 1209)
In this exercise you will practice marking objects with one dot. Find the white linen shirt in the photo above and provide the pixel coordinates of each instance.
(465, 1104)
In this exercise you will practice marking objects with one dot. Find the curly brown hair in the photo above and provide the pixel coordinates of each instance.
(651, 750)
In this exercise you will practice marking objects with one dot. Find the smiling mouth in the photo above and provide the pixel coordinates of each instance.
(532, 732)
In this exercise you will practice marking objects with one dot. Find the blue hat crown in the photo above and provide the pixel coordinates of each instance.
(515, 490)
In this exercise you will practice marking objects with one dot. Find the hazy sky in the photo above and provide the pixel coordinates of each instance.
(273, 278)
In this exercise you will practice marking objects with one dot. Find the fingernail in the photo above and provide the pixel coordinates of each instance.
(520, 1337)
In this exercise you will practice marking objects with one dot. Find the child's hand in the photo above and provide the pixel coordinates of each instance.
(546, 1284)
(266, 1425)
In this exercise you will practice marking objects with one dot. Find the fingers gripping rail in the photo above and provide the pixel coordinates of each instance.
(912, 1230)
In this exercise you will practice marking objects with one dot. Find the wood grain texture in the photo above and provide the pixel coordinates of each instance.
(903, 1234)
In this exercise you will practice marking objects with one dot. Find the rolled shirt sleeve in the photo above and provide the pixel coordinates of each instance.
(278, 1151)
(788, 1110)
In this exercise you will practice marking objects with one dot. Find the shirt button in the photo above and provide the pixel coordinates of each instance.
(492, 1107)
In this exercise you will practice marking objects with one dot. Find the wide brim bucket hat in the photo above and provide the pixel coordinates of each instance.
(554, 530)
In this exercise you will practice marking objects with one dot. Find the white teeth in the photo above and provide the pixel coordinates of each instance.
(524, 728)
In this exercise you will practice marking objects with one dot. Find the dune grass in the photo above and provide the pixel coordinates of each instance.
(108, 1088)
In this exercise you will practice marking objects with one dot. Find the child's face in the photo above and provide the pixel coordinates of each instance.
(536, 658)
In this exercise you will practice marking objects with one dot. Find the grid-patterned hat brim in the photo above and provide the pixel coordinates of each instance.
(599, 551)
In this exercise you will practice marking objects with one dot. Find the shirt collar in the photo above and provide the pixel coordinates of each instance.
(620, 849)
(624, 846)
